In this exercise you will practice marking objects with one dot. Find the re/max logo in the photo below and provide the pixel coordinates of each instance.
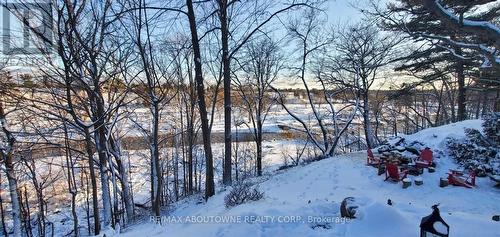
(26, 28)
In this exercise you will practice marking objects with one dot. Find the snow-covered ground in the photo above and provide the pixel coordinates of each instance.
(305, 201)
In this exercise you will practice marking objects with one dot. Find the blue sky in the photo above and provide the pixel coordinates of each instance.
(340, 10)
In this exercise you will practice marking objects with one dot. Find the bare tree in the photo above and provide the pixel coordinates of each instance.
(7, 150)
(249, 21)
(312, 38)
(154, 88)
(361, 52)
(261, 68)
(89, 52)
(200, 89)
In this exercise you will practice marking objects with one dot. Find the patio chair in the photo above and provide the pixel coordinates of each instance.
(425, 160)
(393, 173)
(371, 159)
(458, 178)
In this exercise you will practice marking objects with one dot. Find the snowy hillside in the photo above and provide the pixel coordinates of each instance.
(305, 201)
(435, 138)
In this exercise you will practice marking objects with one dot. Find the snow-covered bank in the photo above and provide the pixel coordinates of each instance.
(435, 137)
(313, 193)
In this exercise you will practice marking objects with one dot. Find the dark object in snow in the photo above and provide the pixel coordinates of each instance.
(434, 225)
(413, 150)
(496, 218)
(413, 170)
(431, 169)
(326, 226)
(389, 202)
(400, 148)
(242, 193)
(443, 182)
(401, 141)
(348, 207)
(384, 148)
(381, 169)
(284, 167)
(309, 201)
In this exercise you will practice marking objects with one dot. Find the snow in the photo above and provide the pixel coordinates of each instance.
(439, 227)
(305, 201)
(485, 24)
(435, 137)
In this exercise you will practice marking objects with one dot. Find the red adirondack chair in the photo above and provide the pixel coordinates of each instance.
(425, 159)
(392, 172)
(371, 160)
(458, 178)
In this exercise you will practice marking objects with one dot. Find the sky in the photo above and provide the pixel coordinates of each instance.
(341, 10)
(337, 11)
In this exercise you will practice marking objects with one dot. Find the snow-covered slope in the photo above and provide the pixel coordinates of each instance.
(305, 201)
(435, 138)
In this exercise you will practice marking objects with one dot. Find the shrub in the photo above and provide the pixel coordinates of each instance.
(473, 157)
(242, 193)
(491, 127)
(477, 151)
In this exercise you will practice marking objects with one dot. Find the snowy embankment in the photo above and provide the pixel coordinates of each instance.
(305, 200)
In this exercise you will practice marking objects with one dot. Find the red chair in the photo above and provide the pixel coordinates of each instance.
(371, 160)
(458, 178)
(425, 159)
(392, 172)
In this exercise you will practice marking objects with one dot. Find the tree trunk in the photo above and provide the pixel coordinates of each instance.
(461, 98)
(126, 191)
(3, 227)
(155, 157)
(7, 156)
(123, 173)
(93, 180)
(191, 134)
(258, 142)
(100, 138)
(226, 64)
(14, 194)
(175, 160)
(366, 122)
(259, 156)
(200, 87)
(71, 179)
